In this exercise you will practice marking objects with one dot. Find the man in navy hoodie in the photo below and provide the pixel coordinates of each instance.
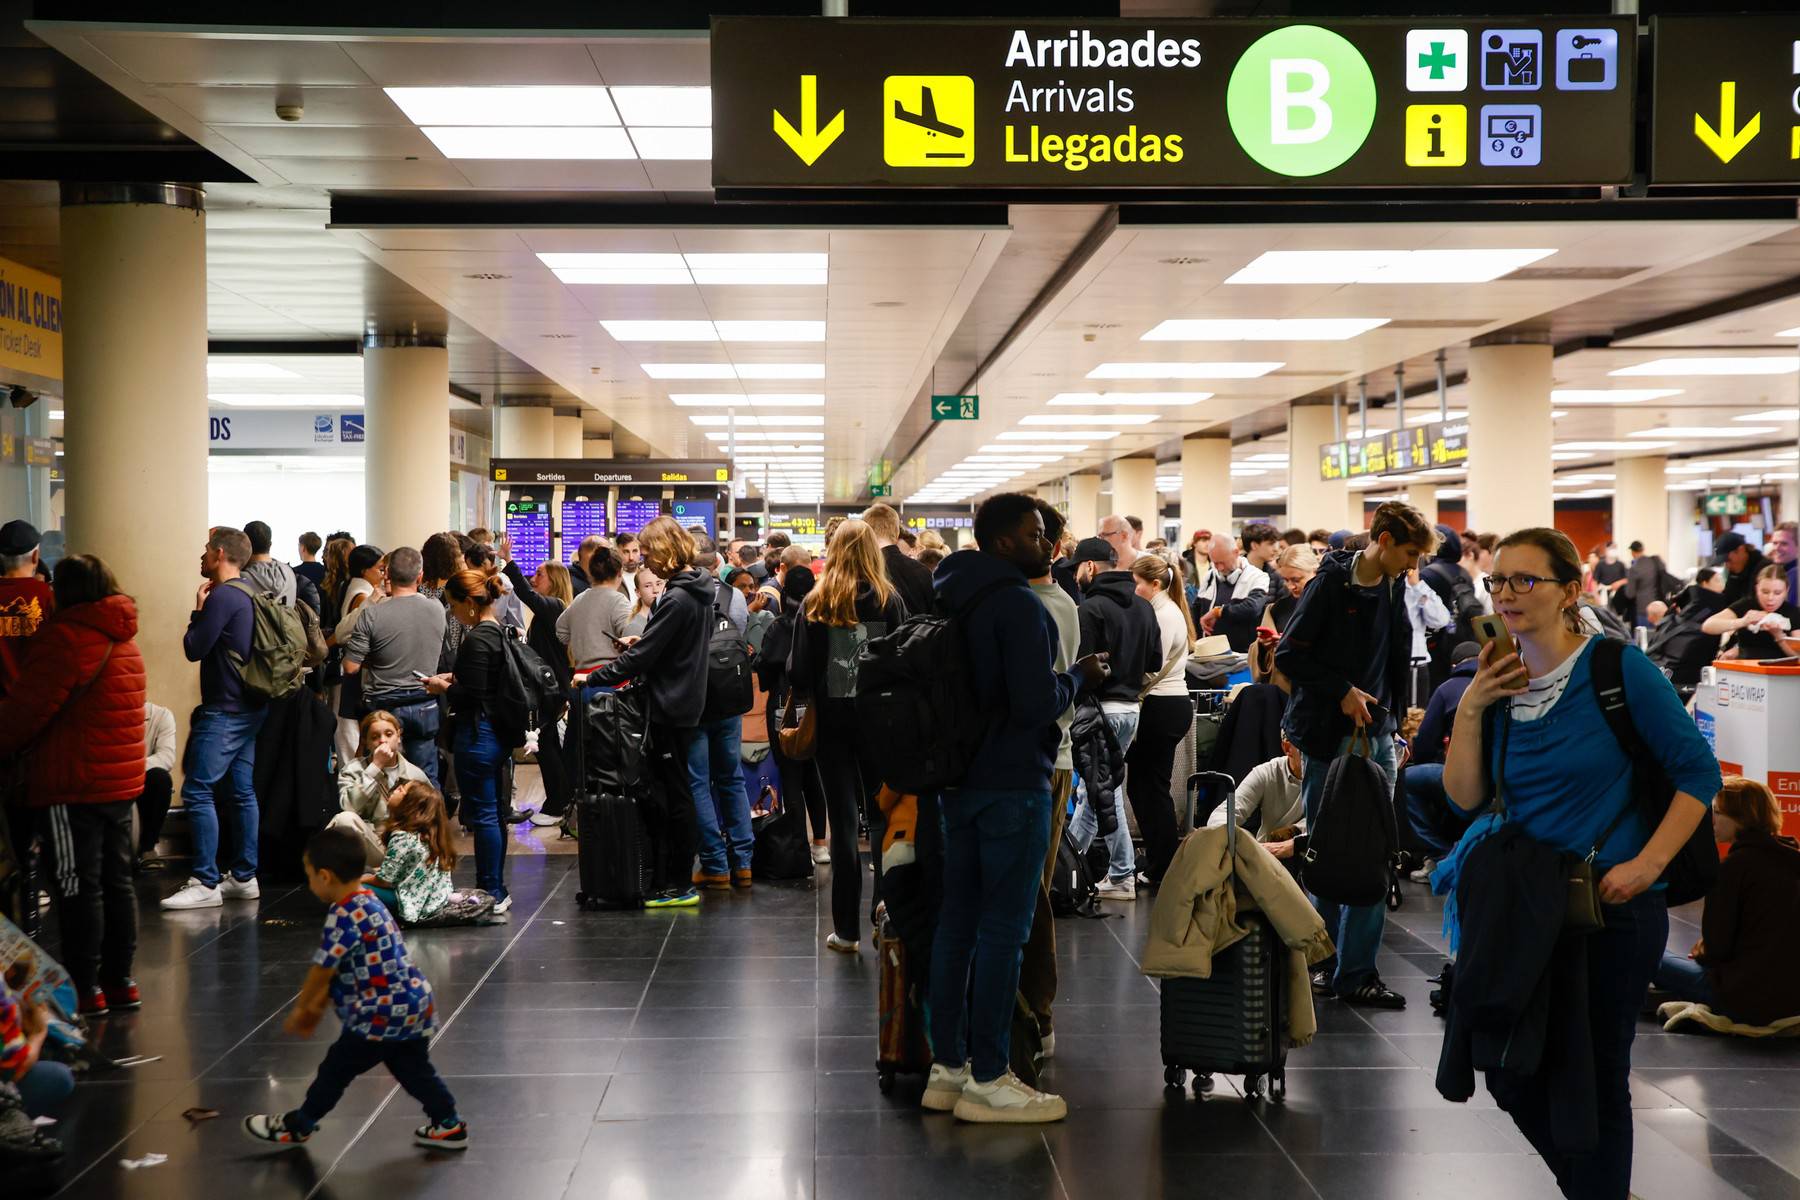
(997, 820)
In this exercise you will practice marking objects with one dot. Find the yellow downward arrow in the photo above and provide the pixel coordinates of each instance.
(809, 141)
(1728, 139)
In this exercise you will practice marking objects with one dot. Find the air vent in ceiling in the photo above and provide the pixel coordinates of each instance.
(1533, 274)
(486, 275)
(1102, 325)
(888, 304)
(557, 337)
(1182, 260)
(1442, 323)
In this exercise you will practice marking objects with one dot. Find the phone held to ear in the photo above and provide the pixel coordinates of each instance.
(1490, 628)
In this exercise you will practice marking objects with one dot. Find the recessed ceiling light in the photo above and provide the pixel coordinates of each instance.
(1702, 431)
(278, 400)
(1610, 395)
(1608, 445)
(56, 414)
(1029, 435)
(579, 267)
(1773, 414)
(505, 106)
(664, 105)
(1785, 364)
(1247, 470)
(1090, 419)
(1385, 266)
(1183, 370)
(1107, 399)
(226, 368)
(1266, 458)
(1037, 448)
(1274, 329)
(756, 421)
(587, 142)
(1794, 332)
(1568, 456)
(710, 400)
(735, 370)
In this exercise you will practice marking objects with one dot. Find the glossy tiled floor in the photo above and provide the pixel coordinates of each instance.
(722, 1053)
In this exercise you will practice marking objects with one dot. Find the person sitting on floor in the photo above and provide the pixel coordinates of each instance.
(1743, 966)
(413, 879)
(367, 781)
(1268, 802)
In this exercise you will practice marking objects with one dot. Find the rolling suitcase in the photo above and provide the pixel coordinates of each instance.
(1230, 1023)
(613, 852)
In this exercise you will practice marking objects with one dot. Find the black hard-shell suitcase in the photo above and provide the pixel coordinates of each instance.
(1231, 1023)
(613, 859)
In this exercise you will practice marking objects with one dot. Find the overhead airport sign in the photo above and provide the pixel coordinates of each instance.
(956, 408)
(517, 472)
(1417, 448)
(805, 102)
(1726, 103)
(30, 323)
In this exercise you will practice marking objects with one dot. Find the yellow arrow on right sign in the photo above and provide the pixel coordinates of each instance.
(1728, 139)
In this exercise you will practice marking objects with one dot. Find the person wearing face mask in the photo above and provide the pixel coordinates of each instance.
(1230, 595)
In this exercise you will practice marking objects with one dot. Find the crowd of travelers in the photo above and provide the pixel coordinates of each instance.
(1477, 675)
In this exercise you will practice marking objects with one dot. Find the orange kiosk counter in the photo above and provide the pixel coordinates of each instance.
(1750, 715)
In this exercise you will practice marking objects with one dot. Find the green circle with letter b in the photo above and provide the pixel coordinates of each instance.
(1301, 100)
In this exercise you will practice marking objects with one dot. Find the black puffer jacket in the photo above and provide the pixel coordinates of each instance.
(1098, 761)
(670, 658)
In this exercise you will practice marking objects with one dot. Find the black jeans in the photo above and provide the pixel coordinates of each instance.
(674, 829)
(408, 1061)
(1162, 723)
(798, 779)
(1622, 959)
(90, 845)
(848, 771)
(153, 808)
(553, 765)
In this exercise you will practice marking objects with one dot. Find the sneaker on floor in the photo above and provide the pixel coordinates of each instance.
(1008, 1100)
(944, 1086)
(1049, 1047)
(194, 894)
(687, 899)
(842, 945)
(1117, 889)
(821, 854)
(1423, 874)
(1375, 994)
(443, 1137)
(503, 905)
(717, 880)
(272, 1128)
(92, 1003)
(544, 820)
(233, 888)
(123, 995)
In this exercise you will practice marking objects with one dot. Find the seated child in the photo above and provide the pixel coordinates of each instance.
(383, 1001)
(366, 781)
(413, 879)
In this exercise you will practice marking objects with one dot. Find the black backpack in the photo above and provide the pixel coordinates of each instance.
(730, 691)
(914, 685)
(1074, 885)
(1351, 843)
(529, 691)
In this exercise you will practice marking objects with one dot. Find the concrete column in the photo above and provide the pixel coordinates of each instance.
(1684, 531)
(596, 448)
(525, 431)
(406, 474)
(1510, 437)
(1134, 492)
(134, 355)
(1205, 485)
(1423, 496)
(1641, 505)
(1084, 505)
(1314, 503)
(566, 434)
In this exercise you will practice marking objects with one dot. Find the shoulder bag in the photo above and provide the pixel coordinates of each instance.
(799, 735)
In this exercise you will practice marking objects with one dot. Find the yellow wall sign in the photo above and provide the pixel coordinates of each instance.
(928, 120)
(30, 322)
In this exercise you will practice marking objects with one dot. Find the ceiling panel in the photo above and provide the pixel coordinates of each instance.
(485, 61)
(672, 60)
(254, 104)
(155, 57)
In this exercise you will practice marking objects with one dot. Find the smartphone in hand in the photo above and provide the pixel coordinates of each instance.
(1490, 628)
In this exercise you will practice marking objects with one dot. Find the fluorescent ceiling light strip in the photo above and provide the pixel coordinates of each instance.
(227, 368)
(1126, 399)
(1610, 395)
(1041, 435)
(660, 331)
(1183, 370)
(662, 144)
(1059, 448)
(588, 143)
(506, 106)
(773, 400)
(771, 331)
(1785, 364)
(624, 276)
(1702, 431)
(611, 259)
(1426, 418)
(758, 435)
(1603, 446)
(1090, 419)
(1266, 458)
(734, 370)
(280, 400)
(1773, 414)
(663, 105)
(1273, 329)
(1385, 266)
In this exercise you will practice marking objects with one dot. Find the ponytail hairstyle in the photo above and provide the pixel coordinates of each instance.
(1164, 572)
(1565, 566)
(467, 584)
(418, 809)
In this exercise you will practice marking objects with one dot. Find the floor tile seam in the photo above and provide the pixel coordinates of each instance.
(394, 1088)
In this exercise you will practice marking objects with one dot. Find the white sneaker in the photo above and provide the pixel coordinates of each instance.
(194, 894)
(1423, 874)
(821, 854)
(1121, 889)
(234, 889)
(1007, 1100)
(944, 1087)
(834, 942)
(503, 905)
(543, 820)
(1049, 1048)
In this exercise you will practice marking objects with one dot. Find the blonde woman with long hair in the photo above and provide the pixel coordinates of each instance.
(853, 602)
(1165, 713)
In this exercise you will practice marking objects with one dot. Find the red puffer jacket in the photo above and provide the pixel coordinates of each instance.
(90, 751)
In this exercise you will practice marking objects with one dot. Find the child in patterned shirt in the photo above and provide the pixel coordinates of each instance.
(414, 878)
(382, 1000)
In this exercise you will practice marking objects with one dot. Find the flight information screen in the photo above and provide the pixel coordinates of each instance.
(581, 519)
(633, 515)
(689, 513)
(528, 528)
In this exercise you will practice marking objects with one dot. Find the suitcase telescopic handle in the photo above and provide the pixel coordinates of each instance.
(1201, 779)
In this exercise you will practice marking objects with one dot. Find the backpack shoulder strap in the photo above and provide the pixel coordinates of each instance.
(1608, 670)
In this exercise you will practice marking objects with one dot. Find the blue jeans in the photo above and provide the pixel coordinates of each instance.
(1685, 979)
(45, 1087)
(717, 781)
(1084, 824)
(995, 843)
(420, 719)
(1355, 928)
(350, 1056)
(478, 758)
(1426, 803)
(222, 746)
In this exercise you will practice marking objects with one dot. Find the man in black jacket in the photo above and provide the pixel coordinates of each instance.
(1347, 651)
(911, 579)
(1118, 621)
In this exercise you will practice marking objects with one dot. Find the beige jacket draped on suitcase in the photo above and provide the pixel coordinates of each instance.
(1196, 917)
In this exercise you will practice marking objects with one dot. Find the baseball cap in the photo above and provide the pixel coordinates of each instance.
(19, 537)
(1093, 550)
(1725, 544)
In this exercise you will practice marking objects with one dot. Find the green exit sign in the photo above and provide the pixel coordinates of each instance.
(1724, 504)
(880, 490)
(956, 408)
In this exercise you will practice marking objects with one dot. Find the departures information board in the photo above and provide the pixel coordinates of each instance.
(528, 529)
(581, 519)
(802, 102)
(632, 515)
(1418, 448)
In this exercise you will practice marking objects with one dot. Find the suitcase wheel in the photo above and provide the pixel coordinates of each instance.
(1278, 1087)
(884, 1079)
(1174, 1077)
(1203, 1084)
(1253, 1087)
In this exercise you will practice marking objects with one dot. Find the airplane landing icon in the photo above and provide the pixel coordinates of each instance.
(929, 121)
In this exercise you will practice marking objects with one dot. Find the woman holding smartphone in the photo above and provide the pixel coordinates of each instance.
(1566, 781)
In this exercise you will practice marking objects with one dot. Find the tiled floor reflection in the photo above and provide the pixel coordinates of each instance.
(722, 1052)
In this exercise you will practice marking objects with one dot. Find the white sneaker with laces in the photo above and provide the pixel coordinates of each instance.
(233, 888)
(1008, 1101)
(503, 905)
(944, 1087)
(821, 854)
(544, 820)
(1117, 889)
(194, 894)
(1423, 874)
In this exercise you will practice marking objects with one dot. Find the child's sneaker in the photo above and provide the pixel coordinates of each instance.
(443, 1137)
(272, 1128)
